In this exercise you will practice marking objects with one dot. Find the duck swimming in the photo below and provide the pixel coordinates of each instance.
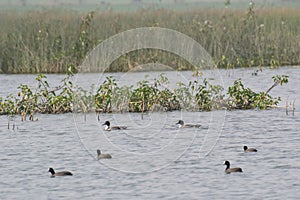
(107, 127)
(102, 155)
(181, 124)
(229, 170)
(246, 149)
(62, 173)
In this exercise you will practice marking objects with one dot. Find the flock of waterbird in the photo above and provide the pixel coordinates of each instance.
(180, 124)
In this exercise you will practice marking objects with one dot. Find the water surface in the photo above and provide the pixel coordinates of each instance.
(152, 159)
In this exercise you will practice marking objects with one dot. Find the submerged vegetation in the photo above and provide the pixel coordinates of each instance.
(54, 40)
(197, 95)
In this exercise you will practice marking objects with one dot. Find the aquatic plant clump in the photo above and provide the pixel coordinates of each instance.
(145, 96)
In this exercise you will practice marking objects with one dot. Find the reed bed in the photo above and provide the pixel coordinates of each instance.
(53, 40)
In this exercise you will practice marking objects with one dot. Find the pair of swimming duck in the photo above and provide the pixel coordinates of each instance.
(237, 169)
(67, 173)
(180, 124)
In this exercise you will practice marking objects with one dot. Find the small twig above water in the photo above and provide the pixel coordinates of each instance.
(290, 106)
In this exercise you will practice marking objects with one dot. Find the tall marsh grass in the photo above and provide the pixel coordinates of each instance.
(54, 40)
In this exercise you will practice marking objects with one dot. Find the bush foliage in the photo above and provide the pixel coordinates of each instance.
(144, 96)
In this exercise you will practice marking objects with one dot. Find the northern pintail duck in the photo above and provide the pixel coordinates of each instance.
(103, 156)
(107, 127)
(230, 170)
(246, 149)
(181, 124)
(62, 173)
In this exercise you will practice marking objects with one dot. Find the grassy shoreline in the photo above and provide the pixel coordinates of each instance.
(52, 41)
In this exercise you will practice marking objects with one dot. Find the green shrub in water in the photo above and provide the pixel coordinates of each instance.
(146, 96)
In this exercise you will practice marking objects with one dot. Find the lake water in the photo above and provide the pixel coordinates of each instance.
(153, 159)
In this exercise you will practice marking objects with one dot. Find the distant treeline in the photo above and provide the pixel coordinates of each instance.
(53, 40)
